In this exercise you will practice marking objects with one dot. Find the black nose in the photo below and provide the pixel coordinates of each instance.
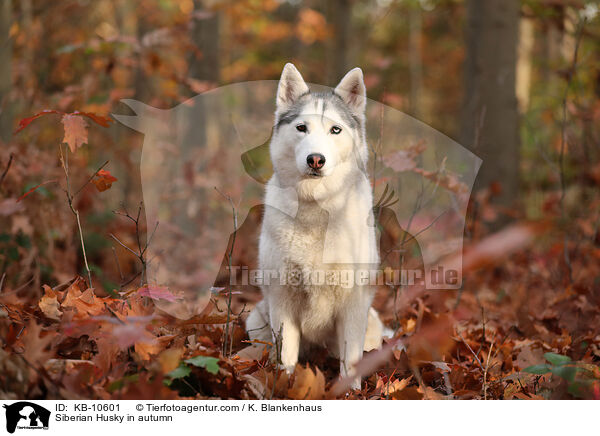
(315, 161)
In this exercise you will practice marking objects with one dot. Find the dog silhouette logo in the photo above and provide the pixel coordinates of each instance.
(26, 415)
(203, 169)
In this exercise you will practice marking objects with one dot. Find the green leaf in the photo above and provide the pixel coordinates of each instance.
(211, 364)
(566, 372)
(538, 369)
(180, 372)
(557, 359)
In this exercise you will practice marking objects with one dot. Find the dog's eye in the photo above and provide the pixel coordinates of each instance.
(335, 130)
(301, 128)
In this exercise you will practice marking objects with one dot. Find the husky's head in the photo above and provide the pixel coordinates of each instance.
(318, 135)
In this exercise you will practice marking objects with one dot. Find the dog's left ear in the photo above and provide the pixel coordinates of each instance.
(352, 90)
(291, 87)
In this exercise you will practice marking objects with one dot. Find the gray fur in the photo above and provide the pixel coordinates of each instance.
(329, 97)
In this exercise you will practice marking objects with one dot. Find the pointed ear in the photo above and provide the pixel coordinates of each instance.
(353, 92)
(143, 114)
(291, 86)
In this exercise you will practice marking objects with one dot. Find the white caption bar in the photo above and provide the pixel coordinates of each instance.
(84, 418)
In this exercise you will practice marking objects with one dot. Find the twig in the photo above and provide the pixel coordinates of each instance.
(10, 159)
(123, 284)
(87, 267)
(90, 179)
(140, 254)
(117, 262)
(472, 352)
(229, 256)
(64, 159)
(485, 372)
(123, 245)
(20, 288)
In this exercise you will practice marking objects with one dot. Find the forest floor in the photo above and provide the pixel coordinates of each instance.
(525, 326)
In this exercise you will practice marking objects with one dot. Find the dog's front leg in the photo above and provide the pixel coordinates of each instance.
(286, 338)
(351, 330)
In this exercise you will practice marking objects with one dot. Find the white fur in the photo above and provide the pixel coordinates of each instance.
(332, 230)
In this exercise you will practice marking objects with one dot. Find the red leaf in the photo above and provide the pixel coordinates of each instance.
(98, 119)
(26, 121)
(104, 180)
(33, 189)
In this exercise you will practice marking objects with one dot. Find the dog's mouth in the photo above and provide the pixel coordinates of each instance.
(314, 174)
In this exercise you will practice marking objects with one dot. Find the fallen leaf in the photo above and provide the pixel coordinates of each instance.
(211, 364)
(169, 359)
(308, 385)
(130, 333)
(49, 304)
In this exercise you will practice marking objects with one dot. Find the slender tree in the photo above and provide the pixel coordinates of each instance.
(6, 117)
(490, 124)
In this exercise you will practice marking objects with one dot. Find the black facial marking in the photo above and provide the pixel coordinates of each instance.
(330, 97)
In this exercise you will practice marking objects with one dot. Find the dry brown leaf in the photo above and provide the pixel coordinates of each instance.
(390, 388)
(307, 384)
(148, 348)
(35, 342)
(169, 359)
(49, 304)
(86, 304)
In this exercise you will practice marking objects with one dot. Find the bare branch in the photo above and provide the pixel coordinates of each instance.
(10, 159)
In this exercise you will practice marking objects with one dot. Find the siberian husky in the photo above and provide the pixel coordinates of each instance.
(318, 226)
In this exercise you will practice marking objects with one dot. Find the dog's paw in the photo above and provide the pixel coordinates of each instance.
(355, 385)
(289, 369)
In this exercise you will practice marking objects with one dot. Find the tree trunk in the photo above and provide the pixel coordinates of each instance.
(490, 125)
(415, 60)
(6, 115)
(204, 62)
(339, 14)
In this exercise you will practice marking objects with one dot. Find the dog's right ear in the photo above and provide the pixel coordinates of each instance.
(291, 86)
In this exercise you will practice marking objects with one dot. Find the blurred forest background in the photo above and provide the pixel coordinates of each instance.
(517, 82)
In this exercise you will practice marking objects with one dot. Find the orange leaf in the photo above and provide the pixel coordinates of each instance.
(104, 180)
(147, 348)
(169, 359)
(76, 133)
(85, 304)
(307, 385)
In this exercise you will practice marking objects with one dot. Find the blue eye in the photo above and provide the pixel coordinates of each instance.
(301, 128)
(335, 130)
